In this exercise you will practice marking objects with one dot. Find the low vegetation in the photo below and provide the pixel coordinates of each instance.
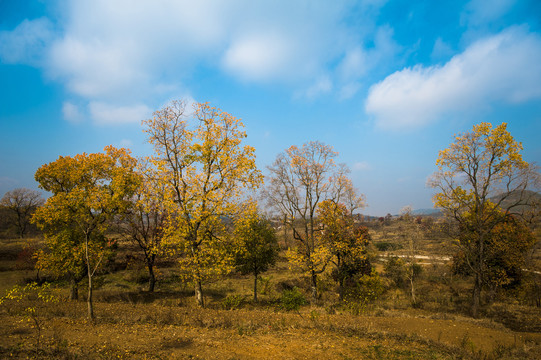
(377, 320)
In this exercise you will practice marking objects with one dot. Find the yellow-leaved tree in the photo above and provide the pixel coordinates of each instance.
(345, 241)
(88, 190)
(481, 181)
(301, 178)
(199, 157)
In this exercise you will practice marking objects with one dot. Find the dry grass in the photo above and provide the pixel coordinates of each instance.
(142, 330)
(132, 323)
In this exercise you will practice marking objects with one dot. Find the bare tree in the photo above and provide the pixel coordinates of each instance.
(22, 202)
(300, 178)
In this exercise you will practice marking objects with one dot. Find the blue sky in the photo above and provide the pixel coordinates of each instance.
(386, 83)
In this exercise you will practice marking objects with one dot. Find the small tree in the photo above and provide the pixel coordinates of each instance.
(505, 249)
(89, 190)
(411, 233)
(345, 241)
(481, 180)
(256, 246)
(144, 220)
(300, 178)
(22, 203)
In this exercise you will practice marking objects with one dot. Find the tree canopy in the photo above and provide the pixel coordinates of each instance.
(201, 161)
(88, 190)
(477, 175)
(300, 178)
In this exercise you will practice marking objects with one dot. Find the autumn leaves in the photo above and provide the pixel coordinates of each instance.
(187, 198)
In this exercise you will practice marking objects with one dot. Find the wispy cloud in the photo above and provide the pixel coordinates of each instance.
(361, 166)
(259, 57)
(26, 43)
(504, 67)
(478, 12)
(143, 51)
(322, 85)
(72, 113)
(103, 113)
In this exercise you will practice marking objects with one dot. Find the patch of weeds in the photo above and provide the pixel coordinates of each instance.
(314, 315)
(246, 329)
(466, 343)
(387, 246)
(292, 300)
(264, 285)
(167, 317)
(232, 302)
(355, 307)
(378, 352)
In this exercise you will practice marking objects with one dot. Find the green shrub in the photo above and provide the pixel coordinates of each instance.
(395, 269)
(292, 299)
(232, 302)
(367, 289)
(387, 246)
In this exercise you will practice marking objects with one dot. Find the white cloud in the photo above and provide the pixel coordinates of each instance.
(26, 43)
(94, 69)
(141, 52)
(72, 113)
(478, 12)
(361, 166)
(260, 57)
(321, 86)
(354, 64)
(103, 113)
(441, 50)
(504, 67)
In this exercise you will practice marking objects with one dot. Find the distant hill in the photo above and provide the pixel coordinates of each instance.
(427, 212)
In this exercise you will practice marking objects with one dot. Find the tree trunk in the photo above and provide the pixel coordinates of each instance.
(151, 278)
(74, 293)
(199, 293)
(89, 272)
(413, 300)
(89, 299)
(255, 286)
(314, 287)
(476, 298)
(341, 277)
(478, 283)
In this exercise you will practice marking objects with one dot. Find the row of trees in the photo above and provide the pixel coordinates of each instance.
(191, 199)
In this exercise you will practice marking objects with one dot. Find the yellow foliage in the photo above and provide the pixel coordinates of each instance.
(205, 170)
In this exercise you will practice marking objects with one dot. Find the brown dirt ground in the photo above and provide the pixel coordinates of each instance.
(127, 331)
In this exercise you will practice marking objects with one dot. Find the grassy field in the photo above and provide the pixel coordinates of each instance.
(132, 323)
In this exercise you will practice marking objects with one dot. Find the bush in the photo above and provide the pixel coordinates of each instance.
(367, 289)
(395, 269)
(232, 302)
(387, 246)
(292, 299)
